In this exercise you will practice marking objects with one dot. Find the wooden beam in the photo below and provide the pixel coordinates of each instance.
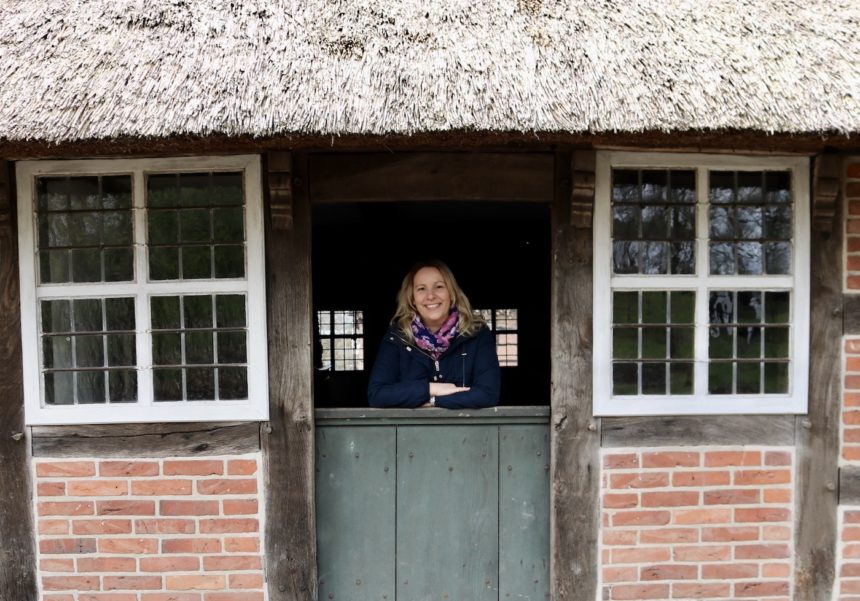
(849, 485)
(825, 191)
(574, 433)
(431, 176)
(697, 430)
(17, 549)
(146, 440)
(288, 445)
(817, 434)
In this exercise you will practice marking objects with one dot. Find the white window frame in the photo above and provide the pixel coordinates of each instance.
(605, 283)
(255, 408)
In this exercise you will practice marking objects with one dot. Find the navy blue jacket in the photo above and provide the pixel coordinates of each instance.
(402, 373)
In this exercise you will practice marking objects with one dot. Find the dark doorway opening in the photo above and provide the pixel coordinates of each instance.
(499, 252)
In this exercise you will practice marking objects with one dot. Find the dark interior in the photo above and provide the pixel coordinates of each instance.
(499, 253)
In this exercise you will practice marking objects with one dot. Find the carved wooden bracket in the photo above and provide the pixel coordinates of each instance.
(825, 192)
(280, 180)
(582, 189)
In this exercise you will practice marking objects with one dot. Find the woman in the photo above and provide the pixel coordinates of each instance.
(436, 351)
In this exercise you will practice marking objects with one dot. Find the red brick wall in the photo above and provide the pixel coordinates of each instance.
(848, 565)
(149, 529)
(697, 523)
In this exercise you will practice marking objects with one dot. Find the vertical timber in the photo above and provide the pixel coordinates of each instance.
(817, 433)
(288, 440)
(17, 550)
(574, 433)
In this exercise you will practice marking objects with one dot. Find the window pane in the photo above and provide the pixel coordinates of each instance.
(122, 386)
(167, 384)
(59, 388)
(90, 387)
(200, 384)
(232, 383)
(625, 379)
(230, 310)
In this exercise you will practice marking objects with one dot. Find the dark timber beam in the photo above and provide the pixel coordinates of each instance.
(17, 535)
(817, 434)
(695, 430)
(574, 434)
(288, 444)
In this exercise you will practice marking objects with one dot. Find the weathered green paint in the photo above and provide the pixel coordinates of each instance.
(524, 512)
(433, 506)
(355, 485)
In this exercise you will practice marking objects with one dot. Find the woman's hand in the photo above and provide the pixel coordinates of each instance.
(445, 388)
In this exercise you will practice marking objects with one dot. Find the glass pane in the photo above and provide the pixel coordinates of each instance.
(654, 378)
(778, 257)
(119, 313)
(625, 379)
(88, 314)
(90, 387)
(681, 378)
(625, 257)
(625, 307)
(116, 228)
(722, 223)
(681, 343)
(162, 227)
(227, 189)
(778, 186)
(683, 307)
(165, 312)
(749, 378)
(167, 384)
(683, 186)
(722, 258)
(162, 190)
(230, 309)
(654, 343)
(749, 258)
(85, 229)
(56, 316)
(194, 225)
(166, 349)
(228, 225)
(163, 263)
(89, 351)
(654, 307)
(57, 352)
(196, 262)
(749, 307)
(721, 343)
(750, 186)
(777, 221)
(655, 223)
(53, 193)
(59, 388)
(625, 343)
(194, 189)
(84, 192)
(229, 261)
(232, 383)
(122, 386)
(86, 265)
(654, 186)
(749, 343)
(119, 264)
(625, 186)
(198, 311)
(232, 347)
(720, 377)
(199, 347)
(121, 350)
(683, 223)
(55, 266)
(54, 230)
(776, 343)
(722, 186)
(116, 192)
(749, 222)
(654, 258)
(776, 378)
(777, 307)
(200, 383)
(625, 222)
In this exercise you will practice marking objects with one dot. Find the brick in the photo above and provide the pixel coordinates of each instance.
(55, 564)
(850, 586)
(125, 507)
(670, 459)
(851, 453)
(853, 170)
(70, 583)
(618, 537)
(761, 514)
(101, 526)
(98, 488)
(852, 345)
(729, 534)
(107, 564)
(853, 263)
(850, 570)
(852, 189)
(179, 563)
(670, 499)
(188, 508)
(853, 282)
(128, 545)
(65, 508)
(189, 582)
(851, 434)
(191, 545)
(53, 526)
(620, 461)
(251, 544)
(852, 382)
(702, 516)
(851, 551)
(752, 477)
(729, 571)
(851, 399)
(51, 489)
(165, 526)
(640, 555)
(702, 553)
(65, 469)
(732, 458)
(775, 570)
(628, 592)
(108, 597)
(67, 546)
(242, 467)
(852, 364)
(227, 486)
(234, 596)
(851, 517)
(853, 226)
(761, 551)
(161, 487)
(244, 581)
(776, 533)
(777, 495)
(231, 563)
(128, 468)
(641, 518)
(669, 572)
(194, 468)
(732, 496)
(610, 500)
(241, 506)
(58, 598)
(700, 478)
(669, 535)
(760, 589)
(851, 533)
(853, 244)
(700, 590)
(131, 583)
(228, 526)
(618, 574)
(646, 480)
(170, 597)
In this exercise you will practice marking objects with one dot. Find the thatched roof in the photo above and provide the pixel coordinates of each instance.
(99, 69)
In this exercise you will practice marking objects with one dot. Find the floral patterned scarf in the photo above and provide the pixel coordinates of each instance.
(437, 343)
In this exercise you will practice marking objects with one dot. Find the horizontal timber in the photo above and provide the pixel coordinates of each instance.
(698, 430)
(431, 417)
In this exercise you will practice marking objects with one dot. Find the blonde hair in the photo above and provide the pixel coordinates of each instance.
(406, 311)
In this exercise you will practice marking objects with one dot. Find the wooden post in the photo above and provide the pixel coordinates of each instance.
(288, 443)
(17, 550)
(574, 433)
(817, 434)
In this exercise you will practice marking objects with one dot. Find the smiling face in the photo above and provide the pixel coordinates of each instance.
(431, 297)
